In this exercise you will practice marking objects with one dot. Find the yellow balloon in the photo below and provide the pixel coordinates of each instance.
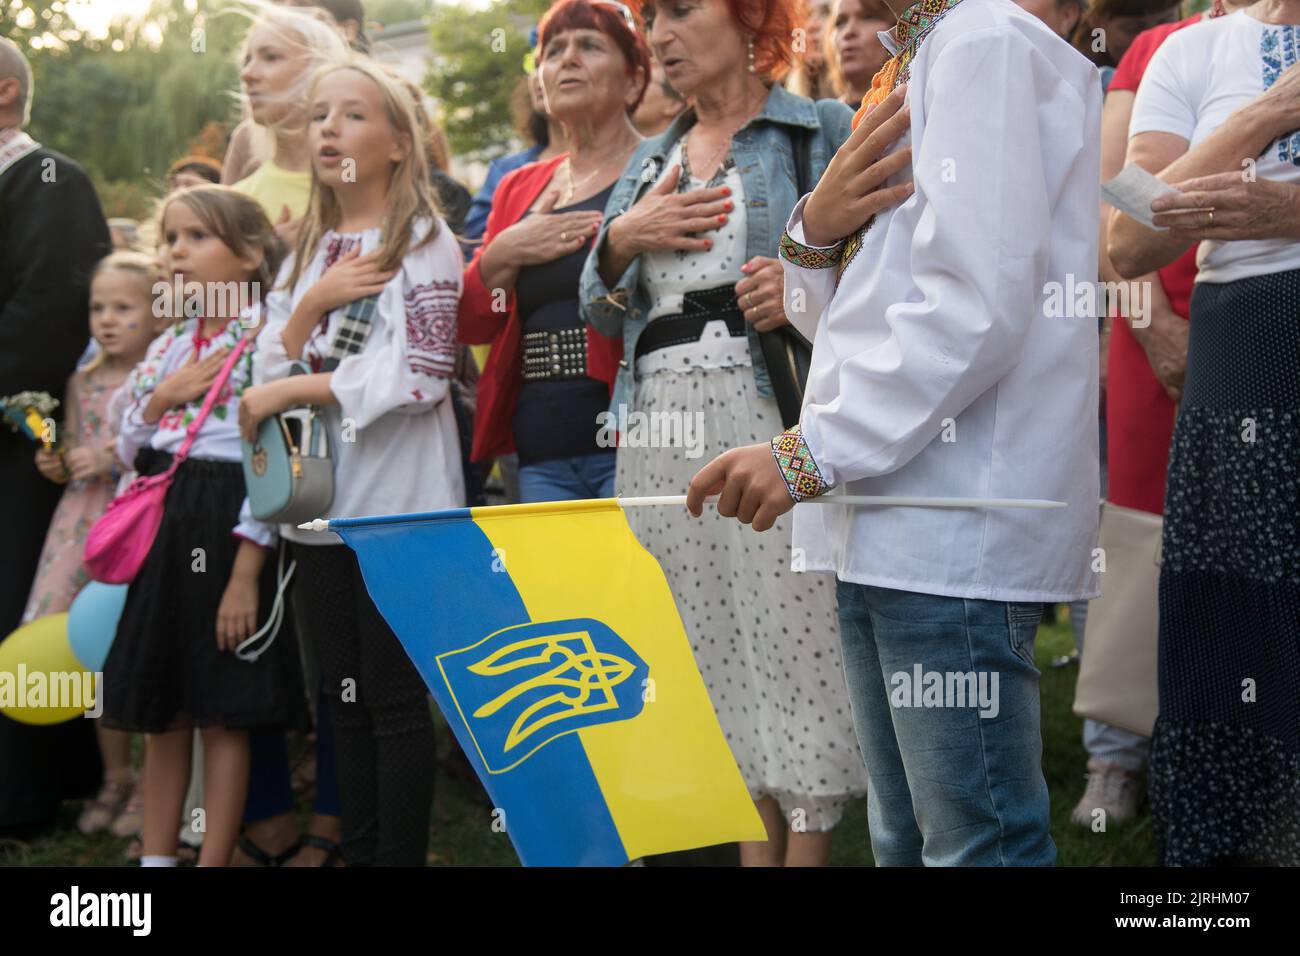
(41, 680)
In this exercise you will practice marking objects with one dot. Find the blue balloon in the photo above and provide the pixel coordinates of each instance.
(92, 622)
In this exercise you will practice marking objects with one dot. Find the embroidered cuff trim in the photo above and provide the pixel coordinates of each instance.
(802, 477)
(810, 257)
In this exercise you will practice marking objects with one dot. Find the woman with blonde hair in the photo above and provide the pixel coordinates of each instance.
(267, 158)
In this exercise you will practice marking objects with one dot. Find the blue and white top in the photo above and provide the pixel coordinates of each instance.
(1200, 76)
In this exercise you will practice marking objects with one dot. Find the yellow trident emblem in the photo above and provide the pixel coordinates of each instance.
(565, 673)
(593, 677)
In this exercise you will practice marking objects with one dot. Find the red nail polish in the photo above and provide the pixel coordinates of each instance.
(726, 190)
(722, 219)
(708, 243)
(730, 205)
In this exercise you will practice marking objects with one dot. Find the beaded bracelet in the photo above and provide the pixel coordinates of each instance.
(802, 477)
(810, 257)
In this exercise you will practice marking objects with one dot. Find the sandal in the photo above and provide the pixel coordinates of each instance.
(263, 858)
(333, 852)
(130, 822)
(101, 812)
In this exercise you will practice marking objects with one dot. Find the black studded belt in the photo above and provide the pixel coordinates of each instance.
(555, 354)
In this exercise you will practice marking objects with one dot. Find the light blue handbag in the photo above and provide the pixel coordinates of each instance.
(288, 471)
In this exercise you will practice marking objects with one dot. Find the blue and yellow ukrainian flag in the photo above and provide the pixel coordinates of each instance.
(551, 642)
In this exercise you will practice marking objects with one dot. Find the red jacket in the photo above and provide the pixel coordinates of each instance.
(498, 386)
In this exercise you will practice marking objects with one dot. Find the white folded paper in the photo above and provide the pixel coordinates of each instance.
(1131, 193)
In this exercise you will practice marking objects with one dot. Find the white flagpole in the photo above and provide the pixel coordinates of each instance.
(870, 500)
(885, 501)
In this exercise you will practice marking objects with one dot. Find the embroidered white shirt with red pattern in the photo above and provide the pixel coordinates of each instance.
(429, 308)
(393, 431)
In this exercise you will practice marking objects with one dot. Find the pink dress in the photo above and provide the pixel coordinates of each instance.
(60, 575)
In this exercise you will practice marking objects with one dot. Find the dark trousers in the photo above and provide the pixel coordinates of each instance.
(383, 728)
(270, 779)
(39, 766)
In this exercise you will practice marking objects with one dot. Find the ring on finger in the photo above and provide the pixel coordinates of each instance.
(564, 237)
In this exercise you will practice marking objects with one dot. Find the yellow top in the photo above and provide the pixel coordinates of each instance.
(276, 188)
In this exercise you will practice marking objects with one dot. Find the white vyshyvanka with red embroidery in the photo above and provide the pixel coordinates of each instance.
(393, 432)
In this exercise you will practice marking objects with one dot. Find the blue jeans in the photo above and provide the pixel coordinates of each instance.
(568, 479)
(944, 694)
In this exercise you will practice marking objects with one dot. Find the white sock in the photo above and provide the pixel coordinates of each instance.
(157, 861)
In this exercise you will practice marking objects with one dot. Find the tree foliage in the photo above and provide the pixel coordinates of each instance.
(32, 23)
(389, 12)
(478, 59)
(128, 104)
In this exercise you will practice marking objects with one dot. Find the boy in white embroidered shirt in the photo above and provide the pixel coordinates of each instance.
(940, 369)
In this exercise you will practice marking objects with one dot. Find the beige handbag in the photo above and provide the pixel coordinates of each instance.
(1117, 669)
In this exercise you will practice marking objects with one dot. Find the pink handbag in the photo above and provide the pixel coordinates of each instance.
(121, 539)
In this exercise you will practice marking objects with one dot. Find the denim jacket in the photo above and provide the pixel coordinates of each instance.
(764, 153)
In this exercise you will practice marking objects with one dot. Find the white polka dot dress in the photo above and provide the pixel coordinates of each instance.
(766, 639)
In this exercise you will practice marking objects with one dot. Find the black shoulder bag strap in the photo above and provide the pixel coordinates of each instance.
(788, 354)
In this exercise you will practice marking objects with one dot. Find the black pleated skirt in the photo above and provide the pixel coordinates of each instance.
(1225, 758)
(165, 671)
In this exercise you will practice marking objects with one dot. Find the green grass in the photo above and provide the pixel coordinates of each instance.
(462, 834)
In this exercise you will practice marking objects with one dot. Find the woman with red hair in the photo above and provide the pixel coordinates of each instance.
(548, 376)
(684, 271)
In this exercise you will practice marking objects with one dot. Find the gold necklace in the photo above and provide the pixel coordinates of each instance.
(717, 157)
(574, 184)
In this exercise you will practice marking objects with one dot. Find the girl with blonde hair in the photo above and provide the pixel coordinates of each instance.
(372, 231)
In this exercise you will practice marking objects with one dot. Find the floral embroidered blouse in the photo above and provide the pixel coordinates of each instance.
(218, 438)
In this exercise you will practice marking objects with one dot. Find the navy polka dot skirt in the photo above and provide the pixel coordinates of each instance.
(1225, 758)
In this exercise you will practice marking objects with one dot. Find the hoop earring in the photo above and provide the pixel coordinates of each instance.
(751, 56)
